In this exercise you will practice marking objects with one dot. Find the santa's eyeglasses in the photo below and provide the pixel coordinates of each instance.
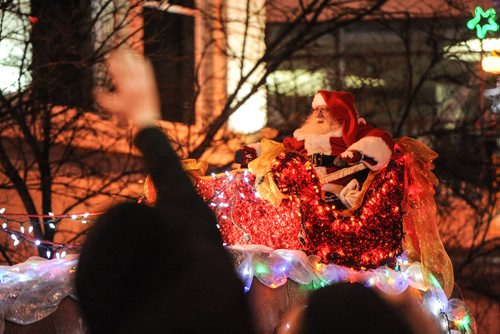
(324, 110)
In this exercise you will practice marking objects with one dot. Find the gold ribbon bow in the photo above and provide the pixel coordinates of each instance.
(261, 168)
(193, 167)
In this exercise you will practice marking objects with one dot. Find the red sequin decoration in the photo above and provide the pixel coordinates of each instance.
(246, 219)
(368, 238)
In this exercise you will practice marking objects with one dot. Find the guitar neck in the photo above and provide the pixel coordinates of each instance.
(337, 175)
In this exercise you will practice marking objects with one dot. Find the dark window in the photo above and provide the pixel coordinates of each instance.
(169, 44)
(183, 3)
(62, 51)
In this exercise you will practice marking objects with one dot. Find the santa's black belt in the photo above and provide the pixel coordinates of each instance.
(322, 160)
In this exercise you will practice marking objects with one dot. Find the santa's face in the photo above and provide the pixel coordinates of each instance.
(321, 122)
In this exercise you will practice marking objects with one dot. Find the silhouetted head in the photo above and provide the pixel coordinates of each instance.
(141, 271)
(351, 308)
(126, 251)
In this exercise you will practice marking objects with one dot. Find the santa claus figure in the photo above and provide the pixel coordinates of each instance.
(333, 137)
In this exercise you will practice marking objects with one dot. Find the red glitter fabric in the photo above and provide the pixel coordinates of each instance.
(246, 219)
(368, 237)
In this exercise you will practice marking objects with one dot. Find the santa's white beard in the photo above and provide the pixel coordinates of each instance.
(316, 133)
(319, 126)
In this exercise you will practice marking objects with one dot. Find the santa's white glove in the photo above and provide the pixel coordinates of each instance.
(350, 193)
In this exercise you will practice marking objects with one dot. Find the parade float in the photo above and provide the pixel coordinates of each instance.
(282, 233)
(287, 236)
(280, 230)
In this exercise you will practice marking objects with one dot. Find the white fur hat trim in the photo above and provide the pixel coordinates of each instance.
(318, 101)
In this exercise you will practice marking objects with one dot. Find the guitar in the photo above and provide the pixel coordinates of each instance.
(342, 173)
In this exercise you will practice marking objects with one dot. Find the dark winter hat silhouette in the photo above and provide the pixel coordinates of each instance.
(351, 308)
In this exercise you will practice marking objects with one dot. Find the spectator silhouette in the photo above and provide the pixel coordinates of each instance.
(158, 269)
(352, 308)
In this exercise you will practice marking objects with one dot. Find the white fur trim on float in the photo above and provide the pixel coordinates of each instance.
(373, 147)
(318, 101)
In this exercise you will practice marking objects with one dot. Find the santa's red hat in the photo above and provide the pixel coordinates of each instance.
(341, 105)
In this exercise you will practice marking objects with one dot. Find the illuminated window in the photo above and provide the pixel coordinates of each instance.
(353, 82)
(14, 56)
(471, 50)
(242, 56)
(298, 82)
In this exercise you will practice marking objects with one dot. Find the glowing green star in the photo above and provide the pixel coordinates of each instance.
(474, 23)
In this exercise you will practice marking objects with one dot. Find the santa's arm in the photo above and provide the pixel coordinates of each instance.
(374, 149)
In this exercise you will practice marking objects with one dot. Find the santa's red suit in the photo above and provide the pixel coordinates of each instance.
(375, 146)
(353, 141)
